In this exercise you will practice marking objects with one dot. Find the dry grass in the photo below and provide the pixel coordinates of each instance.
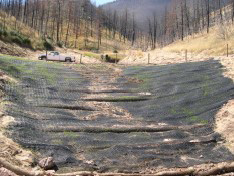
(214, 43)
(11, 24)
(108, 44)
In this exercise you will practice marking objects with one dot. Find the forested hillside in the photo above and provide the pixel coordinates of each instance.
(160, 23)
(144, 24)
(40, 24)
(141, 9)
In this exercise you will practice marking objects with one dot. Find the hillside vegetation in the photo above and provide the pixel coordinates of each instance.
(213, 43)
(79, 25)
(142, 9)
(22, 35)
(217, 41)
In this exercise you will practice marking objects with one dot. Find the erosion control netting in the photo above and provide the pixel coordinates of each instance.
(172, 115)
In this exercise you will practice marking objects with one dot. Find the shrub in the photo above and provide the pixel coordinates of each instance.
(1, 32)
(48, 45)
(14, 33)
(5, 33)
(27, 42)
(17, 40)
(60, 44)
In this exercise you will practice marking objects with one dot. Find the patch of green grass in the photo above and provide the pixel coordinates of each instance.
(206, 91)
(187, 112)
(10, 65)
(47, 74)
(206, 86)
(92, 55)
(197, 119)
(145, 81)
(9, 58)
(174, 111)
(191, 117)
(135, 67)
(70, 134)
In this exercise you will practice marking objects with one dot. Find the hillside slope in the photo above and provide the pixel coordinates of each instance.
(142, 9)
(41, 32)
(211, 44)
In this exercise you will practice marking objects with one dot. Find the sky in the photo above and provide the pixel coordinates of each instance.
(100, 2)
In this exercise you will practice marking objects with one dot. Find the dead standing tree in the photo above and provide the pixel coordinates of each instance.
(208, 14)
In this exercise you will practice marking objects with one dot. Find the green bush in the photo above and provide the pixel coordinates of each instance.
(27, 42)
(17, 40)
(60, 44)
(3, 33)
(15, 33)
(48, 45)
(91, 48)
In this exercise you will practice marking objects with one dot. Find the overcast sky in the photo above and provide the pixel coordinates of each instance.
(100, 2)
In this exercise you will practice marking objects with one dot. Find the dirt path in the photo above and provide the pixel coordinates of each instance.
(103, 78)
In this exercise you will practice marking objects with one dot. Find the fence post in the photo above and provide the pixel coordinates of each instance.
(80, 58)
(46, 54)
(149, 58)
(227, 50)
(186, 55)
(116, 56)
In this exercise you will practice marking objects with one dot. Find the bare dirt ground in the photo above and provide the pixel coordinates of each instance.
(99, 83)
(10, 151)
(12, 49)
(225, 117)
(162, 57)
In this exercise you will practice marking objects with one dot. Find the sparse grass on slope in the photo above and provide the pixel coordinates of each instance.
(214, 43)
(13, 31)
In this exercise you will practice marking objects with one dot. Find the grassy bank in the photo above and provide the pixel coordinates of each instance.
(212, 43)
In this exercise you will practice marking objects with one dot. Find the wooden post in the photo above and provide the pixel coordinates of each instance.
(149, 58)
(46, 54)
(186, 55)
(116, 57)
(80, 58)
(227, 50)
